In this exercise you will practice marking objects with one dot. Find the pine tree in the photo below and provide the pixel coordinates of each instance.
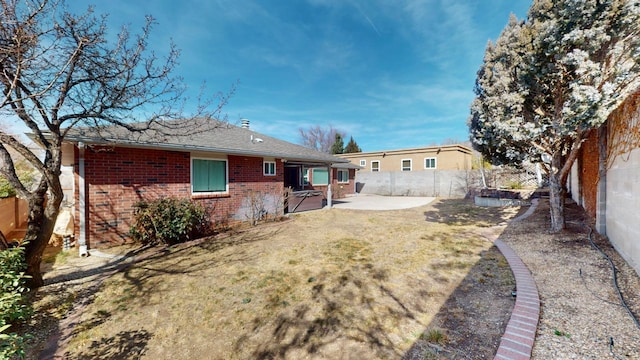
(549, 80)
(338, 145)
(352, 147)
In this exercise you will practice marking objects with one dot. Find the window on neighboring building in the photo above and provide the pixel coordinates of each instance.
(343, 176)
(363, 162)
(375, 165)
(406, 165)
(320, 177)
(269, 168)
(430, 163)
(208, 175)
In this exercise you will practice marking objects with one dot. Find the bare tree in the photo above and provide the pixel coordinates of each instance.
(59, 71)
(319, 138)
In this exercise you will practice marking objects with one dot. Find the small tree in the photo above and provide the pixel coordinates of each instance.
(352, 147)
(60, 71)
(338, 145)
(548, 81)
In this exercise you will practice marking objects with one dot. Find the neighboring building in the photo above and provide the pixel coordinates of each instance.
(441, 157)
(429, 171)
(604, 179)
(221, 166)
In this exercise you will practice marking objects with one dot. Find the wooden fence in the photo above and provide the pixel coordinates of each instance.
(13, 215)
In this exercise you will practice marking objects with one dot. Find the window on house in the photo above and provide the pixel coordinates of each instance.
(320, 177)
(208, 175)
(406, 165)
(363, 162)
(375, 165)
(269, 168)
(430, 163)
(343, 176)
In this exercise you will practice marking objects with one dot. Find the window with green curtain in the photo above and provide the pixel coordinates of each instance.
(209, 175)
(320, 177)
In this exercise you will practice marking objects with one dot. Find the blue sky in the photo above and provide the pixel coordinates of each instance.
(391, 73)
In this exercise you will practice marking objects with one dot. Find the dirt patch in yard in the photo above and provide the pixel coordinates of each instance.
(416, 283)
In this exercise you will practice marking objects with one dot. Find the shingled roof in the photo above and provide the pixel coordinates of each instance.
(201, 135)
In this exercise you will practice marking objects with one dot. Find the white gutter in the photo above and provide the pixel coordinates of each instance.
(82, 241)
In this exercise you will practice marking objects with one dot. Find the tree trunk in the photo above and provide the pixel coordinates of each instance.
(556, 202)
(4, 245)
(41, 222)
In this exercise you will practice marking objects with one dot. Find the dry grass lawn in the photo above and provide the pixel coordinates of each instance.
(335, 284)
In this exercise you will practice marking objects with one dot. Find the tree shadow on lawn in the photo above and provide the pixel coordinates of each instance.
(139, 267)
(353, 311)
(357, 311)
(472, 321)
(143, 277)
(357, 314)
(460, 212)
(124, 345)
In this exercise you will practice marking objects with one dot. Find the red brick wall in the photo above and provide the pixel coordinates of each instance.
(117, 178)
(339, 190)
(588, 171)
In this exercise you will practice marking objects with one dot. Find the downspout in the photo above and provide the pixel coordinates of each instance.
(329, 193)
(82, 241)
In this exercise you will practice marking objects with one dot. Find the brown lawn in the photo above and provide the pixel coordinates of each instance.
(329, 284)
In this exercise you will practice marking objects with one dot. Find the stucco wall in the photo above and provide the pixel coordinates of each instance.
(445, 183)
(623, 206)
(448, 157)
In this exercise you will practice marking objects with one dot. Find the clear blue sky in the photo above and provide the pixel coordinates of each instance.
(391, 73)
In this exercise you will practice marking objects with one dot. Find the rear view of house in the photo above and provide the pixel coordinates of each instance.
(222, 166)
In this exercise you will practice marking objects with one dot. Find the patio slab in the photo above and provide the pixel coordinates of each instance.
(378, 202)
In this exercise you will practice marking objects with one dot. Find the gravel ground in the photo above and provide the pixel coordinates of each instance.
(581, 313)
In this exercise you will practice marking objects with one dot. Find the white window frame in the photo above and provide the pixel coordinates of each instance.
(363, 162)
(410, 165)
(226, 173)
(342, 171)
(435, 163)
(375, 162)
(264, 168)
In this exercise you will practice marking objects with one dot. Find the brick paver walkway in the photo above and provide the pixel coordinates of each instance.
(519, 336)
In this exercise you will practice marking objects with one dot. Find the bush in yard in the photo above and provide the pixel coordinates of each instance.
(169, 221)
(13, 303)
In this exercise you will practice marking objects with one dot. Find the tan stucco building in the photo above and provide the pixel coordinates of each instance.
(440, 157)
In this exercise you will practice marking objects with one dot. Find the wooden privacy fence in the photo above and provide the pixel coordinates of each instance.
(13, 215)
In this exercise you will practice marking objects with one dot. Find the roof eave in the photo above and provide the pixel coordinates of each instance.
(178, 147)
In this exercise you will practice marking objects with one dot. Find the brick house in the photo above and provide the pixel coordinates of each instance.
(219, 165)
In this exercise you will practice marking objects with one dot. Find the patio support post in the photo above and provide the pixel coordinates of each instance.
(329, 193)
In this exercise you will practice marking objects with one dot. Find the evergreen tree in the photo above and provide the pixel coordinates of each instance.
(352, 147)
(338, 145)
(549, 80)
